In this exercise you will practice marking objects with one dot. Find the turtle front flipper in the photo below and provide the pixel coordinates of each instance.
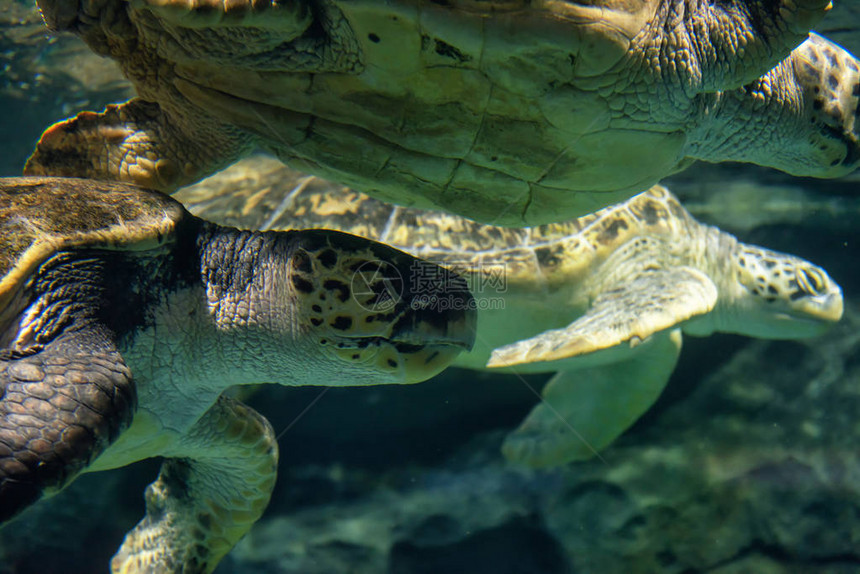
(136, 142)
(583, 411)
(215, 484)
(654, 300)
(61, 404)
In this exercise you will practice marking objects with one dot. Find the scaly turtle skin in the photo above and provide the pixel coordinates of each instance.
(600, 300)
(512, 113)
(123, 318)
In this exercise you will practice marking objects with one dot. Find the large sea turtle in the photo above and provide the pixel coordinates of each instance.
(123, 318)
(600, 300)
(509, 112)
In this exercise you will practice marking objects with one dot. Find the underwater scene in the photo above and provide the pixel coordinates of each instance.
(668, 383)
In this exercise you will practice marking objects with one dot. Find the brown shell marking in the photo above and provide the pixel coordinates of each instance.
(555, 252)
(41, 216)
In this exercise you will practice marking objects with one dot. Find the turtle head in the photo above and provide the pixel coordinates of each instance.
(829, 78)
(779, 296)
(801, 117)
(381, 315)
(827, 103)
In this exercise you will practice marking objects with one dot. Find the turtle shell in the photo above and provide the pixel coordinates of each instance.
(40, 216)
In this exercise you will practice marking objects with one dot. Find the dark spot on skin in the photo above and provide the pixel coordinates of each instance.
(392, 363)
(831, 59)
(772, 290)
(547, 256)
(856, 90)
(341, 288)
(328, 258)
(610, 232)
(302, 262)
(769, 264)
(649, 212)
(316, 322)
(760, 279)
(494, 158)
(797, 295)
(448, 51)
(302, 284)
(316, 309)
(742, 262)
(355, 356)
(833, 81)
(323, 341)
(373, 38)
(818, 104)
(342, 322)
(816, 89)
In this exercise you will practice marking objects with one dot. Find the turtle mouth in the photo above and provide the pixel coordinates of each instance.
(822, 310)
(401, 361)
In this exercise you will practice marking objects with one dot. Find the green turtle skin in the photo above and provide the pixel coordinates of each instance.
(601, 301)
(123, 318)
(511, 113)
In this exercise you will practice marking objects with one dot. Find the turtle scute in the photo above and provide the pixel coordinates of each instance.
(510, 113)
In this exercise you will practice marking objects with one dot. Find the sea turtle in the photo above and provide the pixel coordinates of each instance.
(509, 112)
(601, 300)
(123, 318)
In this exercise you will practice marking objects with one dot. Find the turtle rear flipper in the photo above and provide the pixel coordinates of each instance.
(213, 486)
(653, 300)
(61, 405)
(136, 142)
(583, 411)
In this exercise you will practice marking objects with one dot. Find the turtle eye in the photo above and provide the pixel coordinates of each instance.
(810, 281)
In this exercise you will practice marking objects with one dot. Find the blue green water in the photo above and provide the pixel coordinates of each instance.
(747, 464)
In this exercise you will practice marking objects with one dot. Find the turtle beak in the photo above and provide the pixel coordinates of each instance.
(447, 318)
(443, 318)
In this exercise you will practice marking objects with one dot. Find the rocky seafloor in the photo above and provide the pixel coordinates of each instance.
(747, 464)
